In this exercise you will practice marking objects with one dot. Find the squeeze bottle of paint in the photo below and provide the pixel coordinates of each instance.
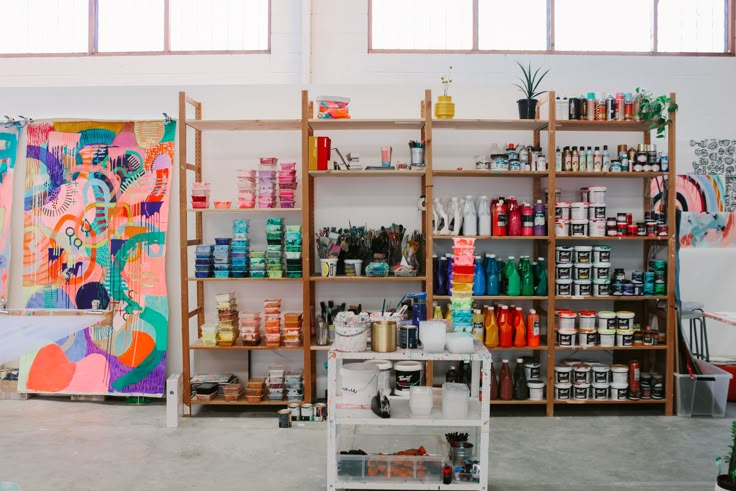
(527, 219)
(532, 325)
(514, 213)
(558, 160)
(505, 382)
(500, 217)
(491, 326)
(606, 160)
(527, 276)
(442, 277)
(479, 278)
(450, 269)
(513, 281)
(478, 325)
(436, 311)
(540, 220)
(505, 330)
(470, 217)
(541, 277)
(589, 159)
(491, 275)
(484, 216)
(521, 389)
(494, 384)
(519, 329)
(435, 274)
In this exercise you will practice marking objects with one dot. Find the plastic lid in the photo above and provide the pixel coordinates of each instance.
(520, 360)
(591, 95)
(583, 265)
(597, 188)
(625, 331)
(582, 368)
(563, 282)
(580, 204)
(600, 367)
(606, 314)
(625, 314)
(563, 368)
(606, 331)
(563, 386)
(584, 248)
(579, 221)
(504, 361)
(562, 204)
(619, 368)
(602, 385)
(602, 265)
(587, 313)
(582, 385)
(567, 315)
(532, 311)
(602, 248)
(619, 386)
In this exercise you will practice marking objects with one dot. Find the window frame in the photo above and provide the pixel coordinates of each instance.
(92, 41)
(730, 32)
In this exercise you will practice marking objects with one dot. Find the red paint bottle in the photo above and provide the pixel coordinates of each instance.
(500, 219)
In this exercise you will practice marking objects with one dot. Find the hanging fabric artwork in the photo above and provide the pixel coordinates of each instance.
(8, 151)
(95, 222)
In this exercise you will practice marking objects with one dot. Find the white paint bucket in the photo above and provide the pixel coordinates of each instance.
(384, 375)
(597, 211)
(356, 265)
(563, 254)
(601, 373)
(563, 288)
(536, 390)
(567, 320)
(597, 194)
(563, 374)
(624, 337)
(563, 271)
(600, 392)
(601, 288)
(620, 374)
(583, 254)
(566, 337)
(607, 319)
(579, 228)
(582, 288)
(580, 391)
(532, 370)
(579, 210)
(582, 271)
(358, 384)
(408, 375)
(597, 227)
(619, 392)
(625, 319)
(601, 254)
(562, 392)
(562, 210)
(587, 336)
(562, 227)
(581, 374)
(601, 271)
(607, 337)
(351, 338)
(586, 319)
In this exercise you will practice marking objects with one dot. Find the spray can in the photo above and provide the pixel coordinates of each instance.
(610, 108)
(606, 160)
(620, 106)
(591, 108)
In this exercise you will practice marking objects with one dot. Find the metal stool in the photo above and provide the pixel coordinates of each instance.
(694, 312)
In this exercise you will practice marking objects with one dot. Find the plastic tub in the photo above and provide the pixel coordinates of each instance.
(601, 254)
(563, 271)
(607, 337)
(597, 211)
(432, 335)
(562, 227)
(625, 319)
(536, 390)
(583, 254)
(601, 271)
(358, 384)
(563, 288)
(420, 401)
(597, 227)
(607, 320)
(579, 228)
(587, 336)
(582, 288)
(582, 271)
(564, 254)
(600, 391)
(581, 391)
(562, 391)
(532, 370)
(624, 337)
(562, 210)
(579, 210)
(586, 319)
(581, 373)
(620, 374)
(455, 400)
(563, 374)
(620, 391)
(567, 321)
(601, 373)
(408, 375)
(597, 194)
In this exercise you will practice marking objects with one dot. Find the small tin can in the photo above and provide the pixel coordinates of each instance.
(641, 229)
(284, 418)
(408, 336)
(320, 411)
(307, 412)
(295, 410)
(662, 229)
(651, 228)
(631, 229)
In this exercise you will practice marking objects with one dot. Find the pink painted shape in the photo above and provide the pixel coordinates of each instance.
(59, 139)
(89, 377)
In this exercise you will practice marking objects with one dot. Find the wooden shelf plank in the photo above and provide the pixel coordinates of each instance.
(245, 124)
(494, 297)
(238, 346)
(207, 280)
(367, 278)
(612, 126)
(366, 124)
(573, 402)
(633, 238)
(244, 210)
(220, 401)
(498, 402)
(490, 124)
(493, 237)
(523, 348)
(366, 173)
(612, 174)
(611, 348)
(487, 173)
(617, 298)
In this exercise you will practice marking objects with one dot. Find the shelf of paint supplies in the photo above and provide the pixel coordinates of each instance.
(480, 353)
(612, 238)
(541, 347)
(220, 401)
(611, 348)
(494, 237)
(609, 401)
(244, 210)
(367, 278)
(367, 173)
(408, 485)
(490, 124)
(199, 345)
(617, 298)
(475, 173)
(244, 279)
(527, 402)
(496, 297)
(610, 174)
(366, 124)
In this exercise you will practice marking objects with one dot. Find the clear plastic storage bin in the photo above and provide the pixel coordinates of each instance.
(703, 395)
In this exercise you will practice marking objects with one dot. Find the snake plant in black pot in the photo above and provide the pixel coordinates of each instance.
(529, 86)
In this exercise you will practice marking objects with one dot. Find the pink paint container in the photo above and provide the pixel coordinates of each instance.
(288, 166)
(287, 173)
(246, 173)
(266, 174)
(269, 160)
(287, 203)
(288, 185)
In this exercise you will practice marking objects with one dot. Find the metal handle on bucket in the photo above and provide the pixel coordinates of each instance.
(352, 335)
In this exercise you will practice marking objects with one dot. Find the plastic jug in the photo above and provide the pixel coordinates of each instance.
(492, 283)
(470, 217)
(479, 278)
(484, 216)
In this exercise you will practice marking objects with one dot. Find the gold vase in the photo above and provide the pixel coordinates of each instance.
(445, 108)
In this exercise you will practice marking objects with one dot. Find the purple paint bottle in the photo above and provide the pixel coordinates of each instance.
(540, 220)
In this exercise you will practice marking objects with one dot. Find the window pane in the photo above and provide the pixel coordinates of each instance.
(235, 25)
(499, 28)
(585, 25)
(422, 24)
(45, 26)
(130, 25)
(689, 27)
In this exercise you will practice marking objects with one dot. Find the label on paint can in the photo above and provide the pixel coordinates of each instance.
(284, 418)
(307, 412)
(580, 391)
(562, 391)
(320, 411)
(600, 392)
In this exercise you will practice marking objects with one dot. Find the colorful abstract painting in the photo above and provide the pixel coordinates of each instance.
(708, 230)
(8, 151)
(95, 222)
(695, 193)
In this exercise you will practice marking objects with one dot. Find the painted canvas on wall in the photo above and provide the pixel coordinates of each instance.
(95, 218)
(695, 193)
(708, 230)
(8, 151)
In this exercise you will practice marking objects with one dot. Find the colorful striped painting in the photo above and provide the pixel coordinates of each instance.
(96, 215)
(8, 151)
(695, 193)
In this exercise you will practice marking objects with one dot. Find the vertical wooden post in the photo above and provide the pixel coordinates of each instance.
(427, 190)
(310, 377)
(671, 259)
(183, 249)
(551, 303)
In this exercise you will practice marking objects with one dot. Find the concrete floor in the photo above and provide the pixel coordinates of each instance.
(62, 445)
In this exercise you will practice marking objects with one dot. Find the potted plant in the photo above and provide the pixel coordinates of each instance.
(655, 110)
(727, 482)
(445, 108)
(529, 87)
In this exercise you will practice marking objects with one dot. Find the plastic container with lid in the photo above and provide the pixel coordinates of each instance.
(566, 337)
(597, 211)
(579, 228)
(587, 336)
(586, 319)
(607, 337)
(582, 288)
(563, 271)
(624, 337)
(601, 373)
(607, 319)
(597, 194)
(563, 288)
(562, 391)
(601, 288)
(582, 271)
(580, 391)
(536, 389)
(620, 374)
(619, 391)
(563, 374)
(562, 227)
(597, 227)
(562, 210)
(600, 391)
(579, 210)
(567, 320)
(581, 374)
(601, 254)
(601, 271)
(583, 254)
(564, 254)
(625, 319)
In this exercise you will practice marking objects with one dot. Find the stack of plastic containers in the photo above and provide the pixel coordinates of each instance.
(275, 247)
(462, 284)
(258, 264)
(209, 334)
(275, 383)
(293, 329)
(222, 257)
(247, 188)
(254, 391)
(200, 195)
(267, 183)
(293, 251)
(250, 328)
(272, 307)
(227, 314)
(204, 261)
(239, 249)
(287, 184)
(294, 385)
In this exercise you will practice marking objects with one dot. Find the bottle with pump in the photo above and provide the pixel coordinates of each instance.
(519, 329)
(532, 325)
(484, 216)
(540, 287)
(514, 214)
(491, 329)
(505, 329)
(527, 276)
(479, 278)
(521, 389)
(500, 219)
(513, 280)
(470, 217)
(505, 382)
(540, 220)
(492, 281)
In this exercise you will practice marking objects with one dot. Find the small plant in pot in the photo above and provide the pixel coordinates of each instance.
(530, 88)
(727, 482)
(655, 110)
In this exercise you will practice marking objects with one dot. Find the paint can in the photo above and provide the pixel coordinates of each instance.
(601, 288)
(660, 288)
(408, 375)
(607, 337)
(611, 227)
(617, 288)
(625, 319)
(579, 228)
(295, 411)
(562, 391)
(645, 383)
(566, 337)
(601, 271)
(579, 210)
(597, 227)
(408, 336)
(564, 272)
(620, 374)
(658, 265)
(563, 375)
(586, 319)
(563, 288)
(607, 320)
(582, 288)
(581, 374)
(651, 228)
(320, 411)
(637, 276)
(600, 391)
(601, 254)
(619, 274)
(627, 289)
(601, 373)
(582, 271)
(563, 254)
(648, 283)
(584, 194)
(662, 230)
(580, 391)
(583, 254)
(536, 389)
(597, 194)
(533, 369)
(562, 227)
(597, 211)
(307, 412)
(631, 229)
(624, 337)
(657, 386)
(619, 391)
(641, 229)
(587, 336)
(284, 418)
(567, 320)
(562, 210)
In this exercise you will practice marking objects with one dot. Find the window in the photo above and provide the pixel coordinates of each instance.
(552, 26)
(134, 26)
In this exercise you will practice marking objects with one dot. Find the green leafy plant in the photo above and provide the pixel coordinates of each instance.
(731, 475)
(655, 110)
(530, 81)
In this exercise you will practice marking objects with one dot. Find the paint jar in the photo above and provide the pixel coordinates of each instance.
(627, 289)
(563, 254)
(533, 369)
(587, 336)
(562, 210)
(563, 288)
(284, 418)
(645, 383)
(566, 337)
(648, 283)
(631, 229)
(563, 374)
(536, 389)
(584, 195)
(564, 272)
(601, 271)
(408, 375)
(582, 288)
(638, 288)
(579, 210)
(586, 319)
(562, 391)
(620, 374)
(601, 254)
(597, 194)
(600, 391)
(579, 228)
(567, 320)
(601, 373)
(597, 211)
(408, 335)
(657, 386)
(320, 411)
(580, 391)
(619, 274)
(625, 319)
(617, 288)
(581, 374)
(607, 337)
(583, 254)
(607, 320)
(308, 412)
(624, 337)
(582, 271)
(651, 229)
(601, 288)
(562, 227)
(660, 287)
(619, 391)
(611, 227)
(597, 228)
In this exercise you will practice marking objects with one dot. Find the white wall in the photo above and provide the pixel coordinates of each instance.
(381, 85)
